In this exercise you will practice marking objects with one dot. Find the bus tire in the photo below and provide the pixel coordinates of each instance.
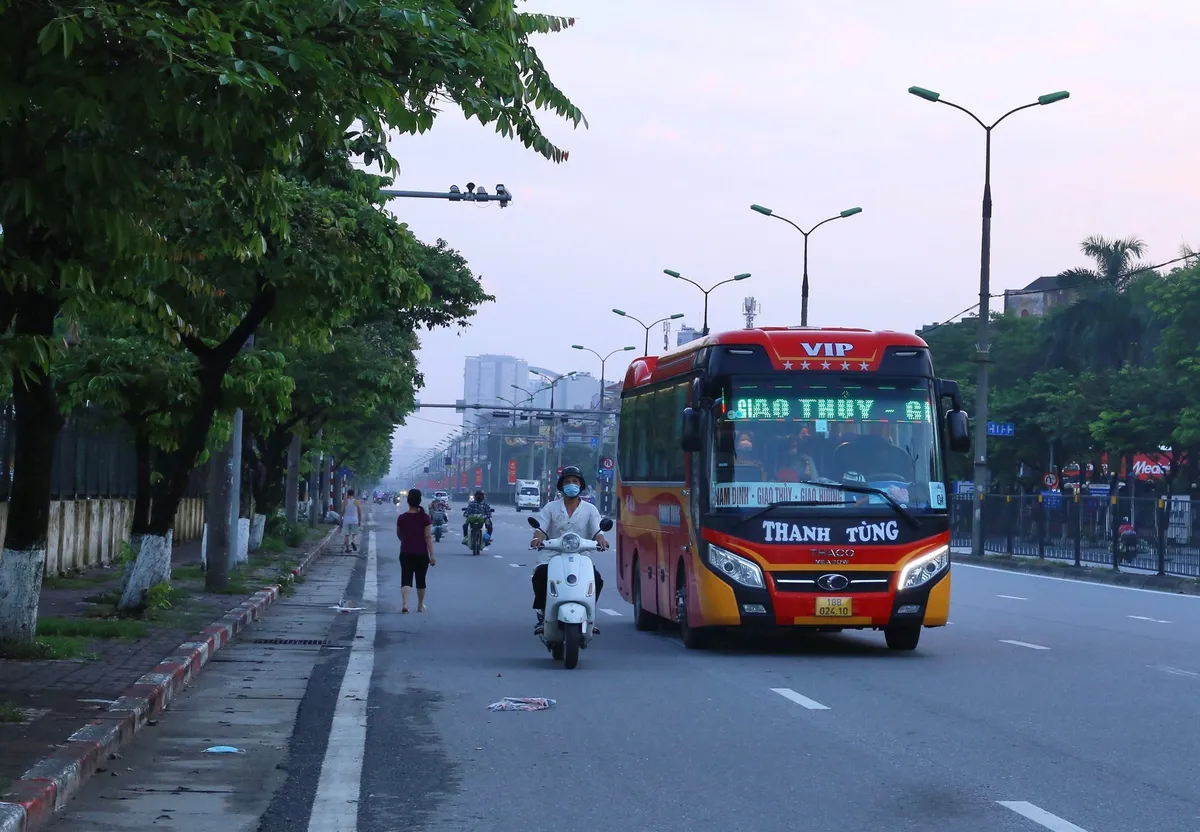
(903, 636)
(693, 638)
(642, 620)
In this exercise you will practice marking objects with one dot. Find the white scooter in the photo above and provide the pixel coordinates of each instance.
(570, 595)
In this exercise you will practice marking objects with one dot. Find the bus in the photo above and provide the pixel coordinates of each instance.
(780, 478)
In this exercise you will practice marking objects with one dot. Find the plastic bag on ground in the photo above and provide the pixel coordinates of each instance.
(521, 703)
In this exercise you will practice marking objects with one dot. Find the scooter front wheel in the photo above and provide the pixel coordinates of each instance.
(572, 636)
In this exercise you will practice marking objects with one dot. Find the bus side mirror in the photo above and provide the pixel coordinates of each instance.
(691, 437)
(957, 431)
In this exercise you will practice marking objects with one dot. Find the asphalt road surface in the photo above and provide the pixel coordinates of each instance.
(1045, 705)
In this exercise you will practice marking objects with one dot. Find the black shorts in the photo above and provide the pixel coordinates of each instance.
(413, 566)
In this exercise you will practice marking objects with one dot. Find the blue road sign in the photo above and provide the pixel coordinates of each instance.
(1001, 429)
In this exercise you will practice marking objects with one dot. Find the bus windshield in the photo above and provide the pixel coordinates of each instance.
(777, 440)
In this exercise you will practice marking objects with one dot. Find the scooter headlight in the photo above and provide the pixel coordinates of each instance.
(570, 542)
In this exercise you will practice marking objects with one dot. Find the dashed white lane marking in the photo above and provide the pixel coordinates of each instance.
(499, 557)
(515, 565)
(1013, 597)
(1040, 816)
(802, 701)
(335, 805)
(1174, 671)
(1023, 644)
(608, 611)
(1147, 618)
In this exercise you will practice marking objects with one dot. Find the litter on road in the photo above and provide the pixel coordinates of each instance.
(521, 703)
(223, 749)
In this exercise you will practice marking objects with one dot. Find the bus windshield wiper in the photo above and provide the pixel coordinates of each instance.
(858, 488)
(767, 509)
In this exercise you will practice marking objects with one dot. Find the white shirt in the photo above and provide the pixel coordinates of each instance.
(555, 522)
(351, 514)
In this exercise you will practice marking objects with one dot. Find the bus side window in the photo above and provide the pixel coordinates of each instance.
(642, 438)
(626, 438)
(676, 471)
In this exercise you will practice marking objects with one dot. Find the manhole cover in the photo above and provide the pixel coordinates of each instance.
(313, 642)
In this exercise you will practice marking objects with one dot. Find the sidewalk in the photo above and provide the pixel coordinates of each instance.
(100, 669)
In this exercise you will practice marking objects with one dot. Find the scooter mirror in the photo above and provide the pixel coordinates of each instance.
(533, 522)
(605, 524)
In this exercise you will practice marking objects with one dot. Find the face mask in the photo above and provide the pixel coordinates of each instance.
(571, 490)
(745, 446)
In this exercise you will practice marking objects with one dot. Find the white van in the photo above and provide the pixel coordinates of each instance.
(529, 495)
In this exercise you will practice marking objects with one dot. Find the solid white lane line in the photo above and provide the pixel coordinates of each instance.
(1013, 597)
(1174, 671)
(1173, 594)
(335, 805)
(1040, 816)
(1023, 644)
(802, 701)
(608, 611)
(1147, 618)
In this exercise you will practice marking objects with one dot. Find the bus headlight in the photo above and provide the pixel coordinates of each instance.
(735, 567)
(921, 570)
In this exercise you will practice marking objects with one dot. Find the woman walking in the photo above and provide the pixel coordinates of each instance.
(413, 527)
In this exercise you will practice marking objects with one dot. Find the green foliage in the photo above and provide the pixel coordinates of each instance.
(1114, 371)
(273, 544)
(92, 628)
(45, 648)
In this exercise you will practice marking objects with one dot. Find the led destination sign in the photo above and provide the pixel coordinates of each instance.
(831, 409)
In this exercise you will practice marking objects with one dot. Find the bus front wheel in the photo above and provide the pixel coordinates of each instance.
(902, 637)
(693, 638)
(642, 620)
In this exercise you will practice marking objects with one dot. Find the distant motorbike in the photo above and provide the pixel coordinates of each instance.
(570, 595)
(476, 533)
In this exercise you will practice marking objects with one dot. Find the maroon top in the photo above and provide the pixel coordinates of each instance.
(410, 528)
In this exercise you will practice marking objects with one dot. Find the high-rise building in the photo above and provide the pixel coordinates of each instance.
(686, 335)
(577, 392)
(487, 379)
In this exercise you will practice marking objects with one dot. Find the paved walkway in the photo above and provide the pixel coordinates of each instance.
(58, 696)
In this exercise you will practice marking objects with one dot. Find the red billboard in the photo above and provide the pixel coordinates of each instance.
(512, 472)
(478, 477)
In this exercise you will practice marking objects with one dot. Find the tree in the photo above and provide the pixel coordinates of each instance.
(102, 98)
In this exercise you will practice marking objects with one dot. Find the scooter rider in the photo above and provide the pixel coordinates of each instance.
(478, 506)
(566, 514)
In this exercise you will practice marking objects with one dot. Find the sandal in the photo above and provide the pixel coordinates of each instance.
(404, 610)
(421, 608)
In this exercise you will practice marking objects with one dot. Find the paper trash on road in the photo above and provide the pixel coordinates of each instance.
(521, 703)
(346, 605)
(223, 749)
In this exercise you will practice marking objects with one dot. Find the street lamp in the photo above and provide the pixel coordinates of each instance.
(603, 361)
(767, 212)
(678, 276)
(982, 349)
(648, 326)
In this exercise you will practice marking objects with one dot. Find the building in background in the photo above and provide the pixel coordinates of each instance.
(1039, 297)
(577, 392)
(489, 378)
(686, 335)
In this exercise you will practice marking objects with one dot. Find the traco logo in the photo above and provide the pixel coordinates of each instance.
(829, 350)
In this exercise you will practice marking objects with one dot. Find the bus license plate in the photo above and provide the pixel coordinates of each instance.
(834, 608)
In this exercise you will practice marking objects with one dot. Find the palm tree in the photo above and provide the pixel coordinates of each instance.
(1105, 327)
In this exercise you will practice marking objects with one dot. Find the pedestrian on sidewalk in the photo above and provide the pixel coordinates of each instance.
(414, 528)
(351, 518)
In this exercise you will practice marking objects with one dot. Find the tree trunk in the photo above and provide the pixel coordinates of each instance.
(216, 513)
(141, 498)
(36, 422)
(292, 488)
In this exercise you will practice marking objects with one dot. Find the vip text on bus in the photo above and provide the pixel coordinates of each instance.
(788, 478)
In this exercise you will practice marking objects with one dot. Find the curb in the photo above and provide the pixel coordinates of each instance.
(1087, 574)
(46, 787)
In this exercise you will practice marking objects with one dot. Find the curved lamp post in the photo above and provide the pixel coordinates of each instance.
(678, 276)
(767, 212)
(982, 356)
(647, 326)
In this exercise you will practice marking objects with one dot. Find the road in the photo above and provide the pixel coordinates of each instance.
(1046, 704)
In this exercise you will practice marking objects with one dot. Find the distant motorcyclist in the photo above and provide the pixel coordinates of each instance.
(567, 514)
(478, 506)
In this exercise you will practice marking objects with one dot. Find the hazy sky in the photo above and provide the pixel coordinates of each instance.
(698, 108)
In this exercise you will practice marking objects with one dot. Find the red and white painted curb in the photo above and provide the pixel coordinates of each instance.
(46, 787)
